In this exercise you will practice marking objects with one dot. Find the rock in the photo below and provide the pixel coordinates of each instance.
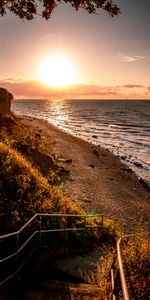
(68, 161)
(145, 184)
(126, 170)
(95, 152)
(92, 166)
(94, 136)
(5, 101)
(138, 165)
(63, 160)
(123, 157)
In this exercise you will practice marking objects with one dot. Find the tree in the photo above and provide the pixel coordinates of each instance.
(25, 9)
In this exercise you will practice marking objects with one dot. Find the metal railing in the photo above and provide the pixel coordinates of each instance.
(20, 245)
(17, 247)
(121, 268)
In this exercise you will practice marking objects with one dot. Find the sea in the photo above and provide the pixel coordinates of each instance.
(122, 126)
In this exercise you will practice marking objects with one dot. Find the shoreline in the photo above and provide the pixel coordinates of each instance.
(116, 130)
(96, 179)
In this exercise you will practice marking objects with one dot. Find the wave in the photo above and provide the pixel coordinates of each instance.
(121, 126)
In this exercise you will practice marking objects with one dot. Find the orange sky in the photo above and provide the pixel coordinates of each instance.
(111, 55)
(36, 89)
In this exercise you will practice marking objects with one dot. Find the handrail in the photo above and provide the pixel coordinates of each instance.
(39, 231)
(50, 215)
(121, 270)
(21, 229)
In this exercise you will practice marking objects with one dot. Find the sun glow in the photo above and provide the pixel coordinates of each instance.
(57, 71)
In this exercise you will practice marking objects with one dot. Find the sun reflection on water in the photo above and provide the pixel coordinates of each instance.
(60, 112)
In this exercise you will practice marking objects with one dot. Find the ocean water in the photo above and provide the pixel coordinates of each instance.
(122, 126)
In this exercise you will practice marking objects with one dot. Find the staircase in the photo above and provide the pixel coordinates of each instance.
(73, 277)
(62, 291)
(66, 278)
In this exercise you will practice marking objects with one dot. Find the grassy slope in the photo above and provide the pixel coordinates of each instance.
(28, 176)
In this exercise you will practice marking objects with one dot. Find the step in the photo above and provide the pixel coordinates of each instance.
(59, 290)
(85, 267)
(72, 277)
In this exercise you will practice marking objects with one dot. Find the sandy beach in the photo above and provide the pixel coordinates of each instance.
(96, 179)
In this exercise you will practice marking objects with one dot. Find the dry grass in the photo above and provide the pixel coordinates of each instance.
(135, 254)
(24, 189)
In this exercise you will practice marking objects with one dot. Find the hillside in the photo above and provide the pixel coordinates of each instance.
(29, 176)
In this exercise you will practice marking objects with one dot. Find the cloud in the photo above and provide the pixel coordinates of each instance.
(132, 86)
(38, 90)
(129, 59)
(11, 80)
(148, 91)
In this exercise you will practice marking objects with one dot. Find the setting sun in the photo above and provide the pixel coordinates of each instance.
(57, 71)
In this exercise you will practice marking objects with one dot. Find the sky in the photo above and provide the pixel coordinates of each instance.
(111, 56)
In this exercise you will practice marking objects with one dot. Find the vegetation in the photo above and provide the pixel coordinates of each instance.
(25, 9)
(28, 177)
(135, 254)
(135, 258)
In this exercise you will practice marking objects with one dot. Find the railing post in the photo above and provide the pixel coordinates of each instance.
(84, 225)
(17, 248)
(113, 284)
(102, 219)
(65, 232)
(122, 276)
(40, 225)
(148, 245)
